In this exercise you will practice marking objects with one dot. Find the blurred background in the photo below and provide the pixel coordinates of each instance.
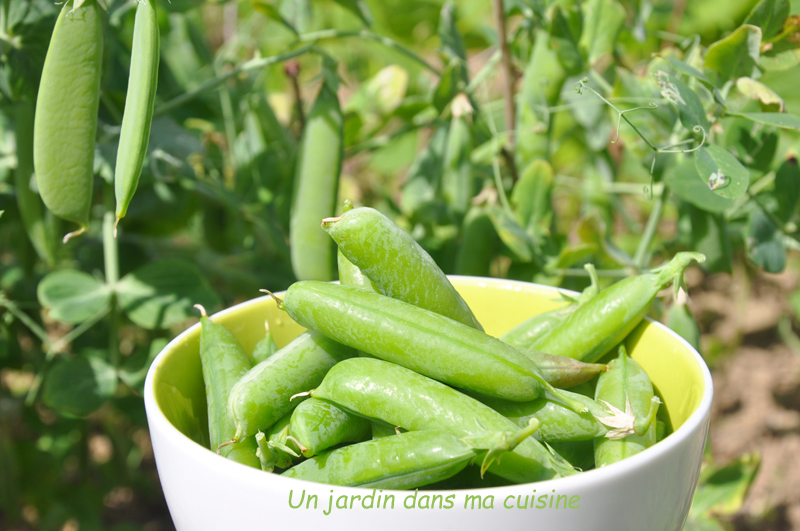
(496, 133)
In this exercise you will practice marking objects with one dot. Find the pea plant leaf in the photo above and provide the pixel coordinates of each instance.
(78, 386)
(725, 175)
(162, 293)
(532, 198)
(512, 234)
(564, 42)
(753, 145)
(299, 13)
(787, 189)
(425, 175)
(72, 296)
(359, 8)
(737, 54)
(755, 90)
(689, 106)
(782, 120)
(602, 21)
(452, 41)
(784, 55)
(722, 490)
(769, 15)
(685, 182)
(134, 370)
(764, 243)
(271, 12)
(450, 84)
(710, 233)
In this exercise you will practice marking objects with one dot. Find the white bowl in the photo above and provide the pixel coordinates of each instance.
(651, 491)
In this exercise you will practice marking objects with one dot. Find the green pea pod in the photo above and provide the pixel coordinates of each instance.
(264, 348)
(418, 339)
(139, 105)
(262, 395)
(601, 323)
(401, 397)
(396, 263)
(535, 329)
(404, 461)
(351, 275)
(273, 446)
(559, 424)
(66, 113)
(319, 425)
(457, 178)
(316, 184)
(627, 388)
(224, 363)
(40, 230)
(245, 453)
(563, 372)
(532, 198)
(477, 249)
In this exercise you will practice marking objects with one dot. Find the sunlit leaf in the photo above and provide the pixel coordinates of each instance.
(162, 293)
(782, 120)
(72, 296)
(784, 55)
(755, 90)
(737, 54)
(80, 385)
(723, 490)
(725, 175)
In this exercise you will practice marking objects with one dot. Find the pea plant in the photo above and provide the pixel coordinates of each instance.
(520, 139)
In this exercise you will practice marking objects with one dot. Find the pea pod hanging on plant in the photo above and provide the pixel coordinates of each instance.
(66, 113)
(139, 105)
(316, 184)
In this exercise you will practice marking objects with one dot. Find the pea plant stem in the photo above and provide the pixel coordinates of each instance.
(256, 63)
(366, 34)
(508, 75)
(642, 256)
(111, 260)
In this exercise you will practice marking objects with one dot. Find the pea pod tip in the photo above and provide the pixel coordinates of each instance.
(277, 300)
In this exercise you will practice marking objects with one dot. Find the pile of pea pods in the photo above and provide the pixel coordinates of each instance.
(396, 385)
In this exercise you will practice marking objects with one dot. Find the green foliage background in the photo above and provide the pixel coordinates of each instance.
(708, 163)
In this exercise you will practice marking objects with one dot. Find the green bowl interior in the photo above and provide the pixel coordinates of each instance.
(498, 305)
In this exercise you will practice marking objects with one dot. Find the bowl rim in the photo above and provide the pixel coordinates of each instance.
(584, 479)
